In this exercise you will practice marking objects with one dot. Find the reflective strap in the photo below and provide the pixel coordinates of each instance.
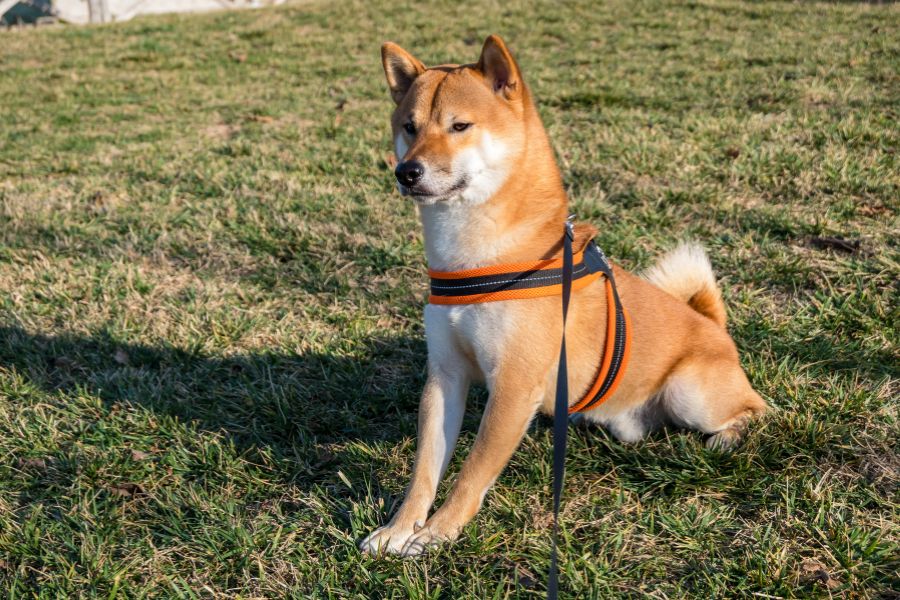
(509, 282)
(618, 341)
(513, 294)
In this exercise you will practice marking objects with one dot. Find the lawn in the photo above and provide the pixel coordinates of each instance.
(211, 345)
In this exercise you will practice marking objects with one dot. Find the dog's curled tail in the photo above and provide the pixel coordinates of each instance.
(685, 273)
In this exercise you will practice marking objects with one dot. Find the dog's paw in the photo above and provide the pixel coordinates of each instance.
(730, 437)
(388, 539)
(725, 440)
(428, 537)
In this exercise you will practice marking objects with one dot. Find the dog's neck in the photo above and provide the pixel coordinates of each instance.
(522, 221)
(464, 237)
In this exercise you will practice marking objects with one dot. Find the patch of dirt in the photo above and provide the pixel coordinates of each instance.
(882, 471)
(812, 571)
(221, 131)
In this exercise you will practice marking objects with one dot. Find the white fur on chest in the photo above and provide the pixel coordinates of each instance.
(470, 337)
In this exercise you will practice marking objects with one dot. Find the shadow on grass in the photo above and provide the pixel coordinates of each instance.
(292, 404)
(305, 409)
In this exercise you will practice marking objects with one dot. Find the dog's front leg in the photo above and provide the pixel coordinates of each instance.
(506, 417)
(440, 418)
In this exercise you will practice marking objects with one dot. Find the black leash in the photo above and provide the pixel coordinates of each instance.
(561, 412)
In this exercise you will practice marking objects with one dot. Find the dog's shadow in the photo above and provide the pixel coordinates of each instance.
(303, 407)
(304, 410)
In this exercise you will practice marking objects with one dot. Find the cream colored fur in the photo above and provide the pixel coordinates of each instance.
(687, 274)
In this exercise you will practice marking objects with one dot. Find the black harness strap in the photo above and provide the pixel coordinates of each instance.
(595, 260)
(520, 280)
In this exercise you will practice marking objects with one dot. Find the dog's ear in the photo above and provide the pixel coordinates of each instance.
(400, 68)
(499, 68)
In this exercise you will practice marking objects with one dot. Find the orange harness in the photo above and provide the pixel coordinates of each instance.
(545, 278)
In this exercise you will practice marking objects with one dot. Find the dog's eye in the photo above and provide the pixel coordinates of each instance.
(461, 126)
(410, 128)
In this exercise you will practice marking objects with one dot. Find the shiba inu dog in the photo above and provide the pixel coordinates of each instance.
(474, 157)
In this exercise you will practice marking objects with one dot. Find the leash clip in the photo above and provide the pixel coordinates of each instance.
(570, 228)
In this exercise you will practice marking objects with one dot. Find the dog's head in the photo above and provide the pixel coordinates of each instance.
(457, 128)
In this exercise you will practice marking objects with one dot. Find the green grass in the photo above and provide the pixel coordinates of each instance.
(210, 301)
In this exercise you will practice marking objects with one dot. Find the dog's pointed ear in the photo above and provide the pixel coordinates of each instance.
(400, 68)
(499, 68)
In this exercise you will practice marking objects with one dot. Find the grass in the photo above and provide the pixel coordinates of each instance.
(210, 301)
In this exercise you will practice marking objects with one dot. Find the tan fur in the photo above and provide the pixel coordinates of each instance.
(684, 367)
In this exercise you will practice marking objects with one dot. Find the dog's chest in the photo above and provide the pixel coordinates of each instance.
(475, 334)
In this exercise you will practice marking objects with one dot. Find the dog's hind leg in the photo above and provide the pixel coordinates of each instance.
(712, 396)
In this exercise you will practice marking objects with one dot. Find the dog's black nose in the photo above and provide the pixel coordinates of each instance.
(409, 173)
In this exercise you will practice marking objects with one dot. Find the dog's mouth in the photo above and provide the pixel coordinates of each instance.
(422, 194)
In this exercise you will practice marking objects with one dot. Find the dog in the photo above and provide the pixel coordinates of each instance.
(474, 157)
